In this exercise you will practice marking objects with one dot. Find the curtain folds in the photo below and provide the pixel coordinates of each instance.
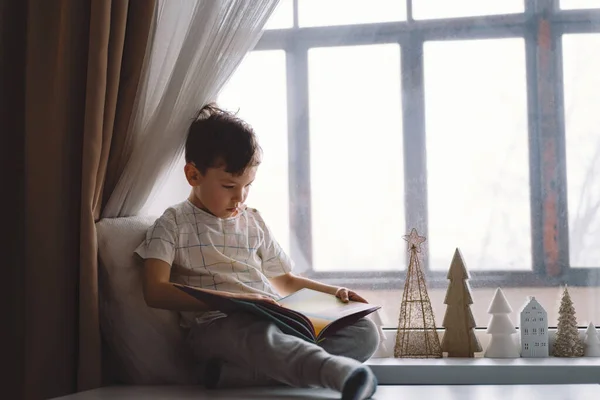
(78, 90)
(107, 96)
(109, 88)
(196, 48)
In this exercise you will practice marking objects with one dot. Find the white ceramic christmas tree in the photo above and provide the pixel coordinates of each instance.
(592, 342)
(501, 328)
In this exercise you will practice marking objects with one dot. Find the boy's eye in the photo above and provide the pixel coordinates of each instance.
(228, 186)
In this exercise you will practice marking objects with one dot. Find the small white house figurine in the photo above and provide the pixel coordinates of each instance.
(501, 328)
(592, 342)
(534, 329)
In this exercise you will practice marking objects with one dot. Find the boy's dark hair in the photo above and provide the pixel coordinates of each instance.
(218, 138)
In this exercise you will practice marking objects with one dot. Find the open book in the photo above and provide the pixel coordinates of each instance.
(307, 314)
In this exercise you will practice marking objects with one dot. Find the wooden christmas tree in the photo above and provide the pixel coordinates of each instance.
(417, 334)
(501, 328)
(459, 338)
(592, 342)
(567, 343)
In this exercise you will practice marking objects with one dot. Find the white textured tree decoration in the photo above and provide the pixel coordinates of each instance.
(592, 342)
(501, 328)
(567, 343)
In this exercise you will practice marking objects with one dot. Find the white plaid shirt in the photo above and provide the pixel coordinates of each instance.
(236, 254)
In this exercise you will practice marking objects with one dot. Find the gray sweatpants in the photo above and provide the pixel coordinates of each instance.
(259, 347)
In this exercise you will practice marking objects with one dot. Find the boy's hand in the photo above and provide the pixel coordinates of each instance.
(346, 295)
(253, 297)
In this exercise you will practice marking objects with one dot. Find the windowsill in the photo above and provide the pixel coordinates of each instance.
(486, 371)
(480, 370)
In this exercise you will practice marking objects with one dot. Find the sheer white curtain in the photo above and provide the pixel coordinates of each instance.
(196, 46)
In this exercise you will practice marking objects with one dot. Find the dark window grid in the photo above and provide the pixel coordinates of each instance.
(542, 29)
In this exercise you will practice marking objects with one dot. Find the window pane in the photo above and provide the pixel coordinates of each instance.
(356, 158)
(582, 102)
(258, 91)
(282, 17)
(477, 154)
(579, 4)
(429, 9)
(346, 12)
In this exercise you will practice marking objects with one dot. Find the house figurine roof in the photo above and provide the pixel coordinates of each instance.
(530, 303)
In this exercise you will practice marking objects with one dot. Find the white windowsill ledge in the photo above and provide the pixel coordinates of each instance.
(486, 371)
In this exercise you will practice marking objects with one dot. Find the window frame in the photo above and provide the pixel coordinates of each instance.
(541, 26)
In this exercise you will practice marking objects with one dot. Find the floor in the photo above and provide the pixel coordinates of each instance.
(472, 392)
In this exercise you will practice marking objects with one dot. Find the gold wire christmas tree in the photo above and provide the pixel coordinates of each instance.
(567, 342)
(417, 335)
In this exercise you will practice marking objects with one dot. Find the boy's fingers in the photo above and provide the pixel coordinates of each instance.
(356, 297)
(269, 300)
(361, 299)
(344, 295)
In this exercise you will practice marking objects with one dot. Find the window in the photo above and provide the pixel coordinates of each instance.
(464, 8)
(579, 4)
(485, 189)
(264, 106)
(282, 17)
(333, 90)
(542, 331)
(459, 119)
(526, 331)
(329, 12)
(580, 68)
(526, 346)
(534, 331)
(537, 344)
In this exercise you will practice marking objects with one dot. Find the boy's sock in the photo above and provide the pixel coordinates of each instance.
(360, 385)
(335, 370)
(212, 373)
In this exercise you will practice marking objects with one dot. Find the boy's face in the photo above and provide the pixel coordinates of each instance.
(219, 192)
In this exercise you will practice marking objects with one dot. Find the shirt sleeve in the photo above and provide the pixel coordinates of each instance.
(275, 261)
(160, 241)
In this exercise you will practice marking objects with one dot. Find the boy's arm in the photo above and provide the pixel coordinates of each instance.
(290, 283)
(160, 293)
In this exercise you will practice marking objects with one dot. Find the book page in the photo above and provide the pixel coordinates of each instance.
(321, 308)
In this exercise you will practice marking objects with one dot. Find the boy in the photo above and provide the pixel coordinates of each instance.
(214, 242)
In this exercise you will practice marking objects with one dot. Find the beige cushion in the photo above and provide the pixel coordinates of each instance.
(147, 343)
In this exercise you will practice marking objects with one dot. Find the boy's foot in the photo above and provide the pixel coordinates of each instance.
(360, 385)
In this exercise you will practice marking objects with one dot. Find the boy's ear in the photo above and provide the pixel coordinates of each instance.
(193, 176)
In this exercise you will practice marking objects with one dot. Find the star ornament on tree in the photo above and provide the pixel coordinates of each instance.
(414, 240)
